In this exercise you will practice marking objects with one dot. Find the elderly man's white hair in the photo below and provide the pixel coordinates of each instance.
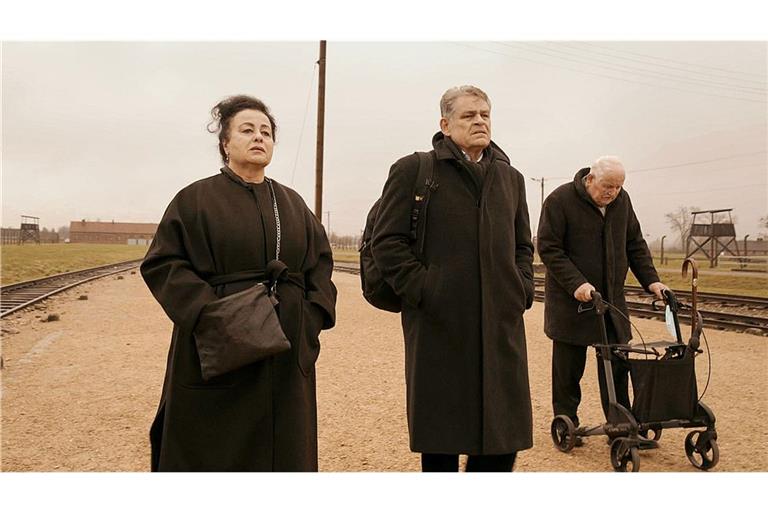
(605, 165)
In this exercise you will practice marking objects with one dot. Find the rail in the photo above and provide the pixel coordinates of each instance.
(716, 319)
(17, 296)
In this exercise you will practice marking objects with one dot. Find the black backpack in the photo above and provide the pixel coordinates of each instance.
(375, 289)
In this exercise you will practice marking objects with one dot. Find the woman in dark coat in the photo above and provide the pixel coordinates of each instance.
(261, 416)
(463, 302)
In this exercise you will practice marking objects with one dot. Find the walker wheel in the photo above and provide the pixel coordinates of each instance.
(703, 453)
(624, 456)
(563, 433)
(656, 433)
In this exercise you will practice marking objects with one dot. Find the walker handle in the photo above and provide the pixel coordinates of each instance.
(671, 300)
(674, 307)
(597, 301)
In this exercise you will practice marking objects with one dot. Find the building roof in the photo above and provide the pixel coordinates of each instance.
(144, 228)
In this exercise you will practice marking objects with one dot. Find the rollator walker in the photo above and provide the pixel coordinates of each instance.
(665, 394)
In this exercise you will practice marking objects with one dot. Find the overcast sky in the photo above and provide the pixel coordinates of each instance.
(95, 130)
(114, 130)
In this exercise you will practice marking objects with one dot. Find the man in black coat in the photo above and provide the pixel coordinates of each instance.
(464, 296)
(588, 237)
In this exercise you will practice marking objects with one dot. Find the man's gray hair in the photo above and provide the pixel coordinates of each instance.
(449, 97)
(605, 164)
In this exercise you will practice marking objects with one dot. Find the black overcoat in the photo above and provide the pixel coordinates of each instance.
(577, 244)
(463, 302)
(261, 417)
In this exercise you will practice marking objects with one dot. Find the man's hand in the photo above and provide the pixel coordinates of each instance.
(584, 292)
(658, 288)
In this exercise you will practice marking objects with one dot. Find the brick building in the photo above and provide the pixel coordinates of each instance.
(124, 233)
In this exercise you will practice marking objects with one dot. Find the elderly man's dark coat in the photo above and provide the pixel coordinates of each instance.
(463, 301)
(577, 244)
(261, 417)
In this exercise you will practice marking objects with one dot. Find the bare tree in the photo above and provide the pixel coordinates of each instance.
(344, 241)
(680, 221)
(764, 225)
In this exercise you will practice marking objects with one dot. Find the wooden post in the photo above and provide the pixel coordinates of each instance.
(320, 135)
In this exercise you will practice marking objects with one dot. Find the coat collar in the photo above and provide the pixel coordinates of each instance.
(581, 189)
(446, 149)
(232, 175)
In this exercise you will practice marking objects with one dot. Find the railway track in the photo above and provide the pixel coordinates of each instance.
(14, 297)
(17, 296)
(644, 309)
(716, 319)
(717, 299)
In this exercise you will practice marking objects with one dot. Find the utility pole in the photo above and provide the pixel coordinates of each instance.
(541, 180)
(320, 134)
(328, 215)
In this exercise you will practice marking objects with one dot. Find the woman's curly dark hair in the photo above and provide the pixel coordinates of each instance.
(223, 112)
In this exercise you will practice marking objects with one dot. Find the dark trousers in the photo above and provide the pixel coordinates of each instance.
(568, 363)
(438, 462)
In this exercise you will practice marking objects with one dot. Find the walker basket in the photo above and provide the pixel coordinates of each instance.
(664, 389)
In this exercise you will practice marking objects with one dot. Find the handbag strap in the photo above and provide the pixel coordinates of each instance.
(277, 217)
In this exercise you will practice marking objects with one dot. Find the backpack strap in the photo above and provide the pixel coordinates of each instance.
(426, 183)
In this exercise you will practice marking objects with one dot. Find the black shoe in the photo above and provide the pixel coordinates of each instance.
(579, 442)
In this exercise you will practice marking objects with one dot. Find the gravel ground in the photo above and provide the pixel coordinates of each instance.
(79, 394)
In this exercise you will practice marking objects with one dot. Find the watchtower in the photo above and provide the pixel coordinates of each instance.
(712, 238)
(30, 229)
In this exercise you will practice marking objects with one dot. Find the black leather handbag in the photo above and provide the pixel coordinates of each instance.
(238, 330)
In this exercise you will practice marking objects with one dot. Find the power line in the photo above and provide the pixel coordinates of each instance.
(676, 68)
(303, 123)
(686, 164)
(518, 57)
(612, 66)
(718, 189)
(761, 75)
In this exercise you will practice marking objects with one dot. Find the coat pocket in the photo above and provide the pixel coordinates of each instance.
(309, 345)
(529, 288)
(429, 292)
(522, 293)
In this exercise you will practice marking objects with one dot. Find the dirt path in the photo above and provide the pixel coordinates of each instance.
(79, 394)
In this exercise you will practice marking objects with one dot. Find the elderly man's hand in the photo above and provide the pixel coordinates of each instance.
(584, 292)
(658, 288)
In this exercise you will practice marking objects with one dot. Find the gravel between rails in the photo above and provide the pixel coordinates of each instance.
(79, 394)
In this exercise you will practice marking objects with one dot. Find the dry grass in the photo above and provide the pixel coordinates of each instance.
(25, 262)
(346, 255)
(750, 284)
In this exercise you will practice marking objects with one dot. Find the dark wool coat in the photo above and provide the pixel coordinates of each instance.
(261, 417)
(463, 302)
(578, 245)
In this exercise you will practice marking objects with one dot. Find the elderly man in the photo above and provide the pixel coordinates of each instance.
(463, 293)
(588, 237)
